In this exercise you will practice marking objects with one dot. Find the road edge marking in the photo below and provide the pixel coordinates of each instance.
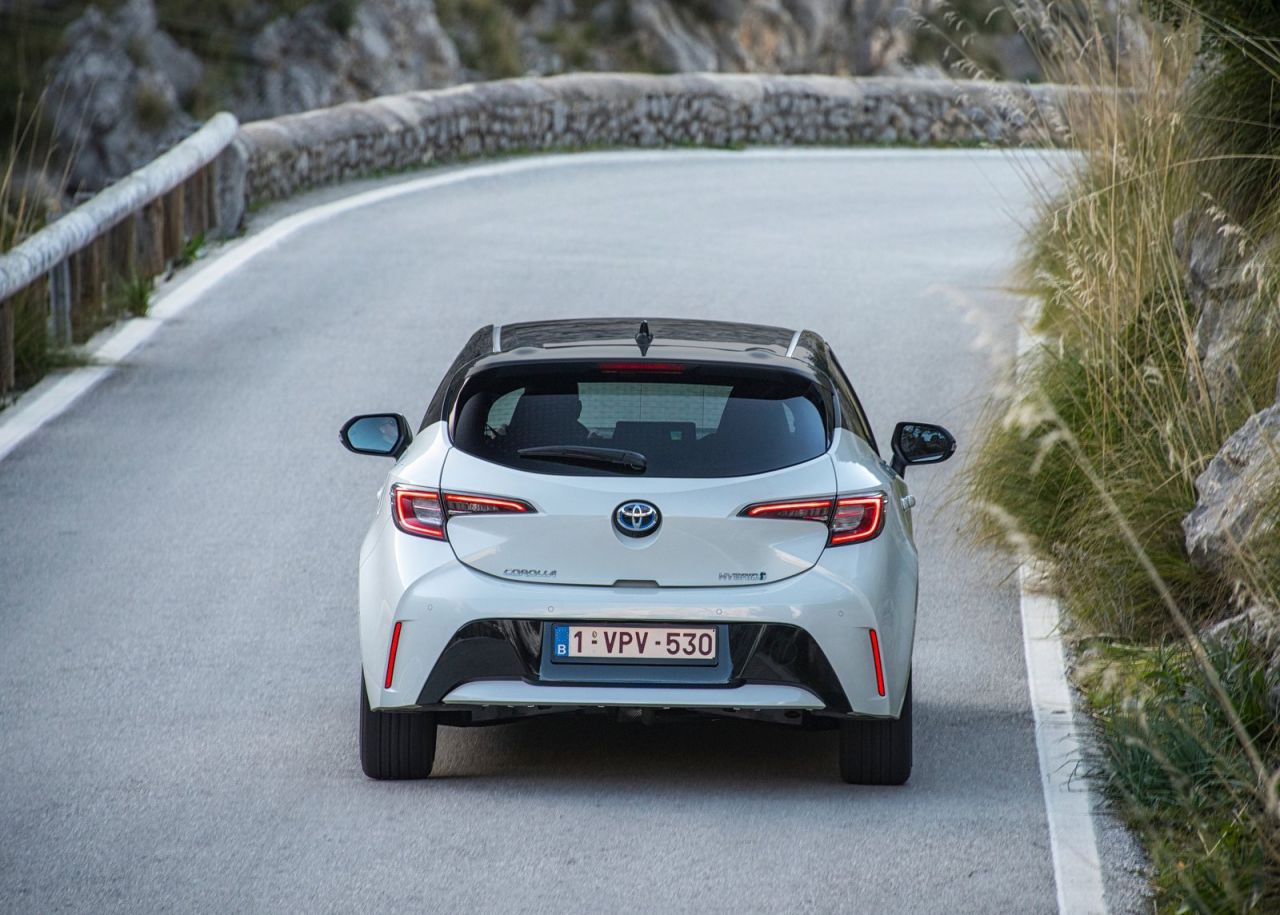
(1073, 837)
(55, 393)
(1068, 801)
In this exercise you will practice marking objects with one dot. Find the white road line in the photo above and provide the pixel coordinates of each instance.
(1068, 801)
(53, 395)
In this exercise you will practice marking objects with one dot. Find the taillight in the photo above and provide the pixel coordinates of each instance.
(418, 511)
(423, 512)
(856, 518)
(797, 509)
(848, 519)
(460, 504)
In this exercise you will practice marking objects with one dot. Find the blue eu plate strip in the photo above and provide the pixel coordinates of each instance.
(561, 641)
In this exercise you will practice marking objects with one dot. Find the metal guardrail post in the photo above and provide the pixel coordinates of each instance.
(60, 304)
(8, 366)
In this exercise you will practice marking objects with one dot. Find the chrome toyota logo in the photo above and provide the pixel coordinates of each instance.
(636, 519)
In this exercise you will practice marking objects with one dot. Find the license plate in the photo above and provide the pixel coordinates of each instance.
(635, 643)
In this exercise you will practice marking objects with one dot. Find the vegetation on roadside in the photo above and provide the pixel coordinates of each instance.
(490, 39)
(130, 297)
(26, 204)
(1174, 759)
(1090, 464)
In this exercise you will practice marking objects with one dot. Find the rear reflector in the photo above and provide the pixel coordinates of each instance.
(875, 653)
(391, 657)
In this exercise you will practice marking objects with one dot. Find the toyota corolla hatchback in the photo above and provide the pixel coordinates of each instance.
(640, 518)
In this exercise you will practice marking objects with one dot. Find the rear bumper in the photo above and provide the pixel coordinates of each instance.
(519, 650)
(517, 693)
(452, 602)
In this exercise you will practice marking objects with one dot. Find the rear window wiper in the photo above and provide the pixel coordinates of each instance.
(625, 461)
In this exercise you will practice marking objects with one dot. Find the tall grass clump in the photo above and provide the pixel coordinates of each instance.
(29, 197)
(1117, 377)
(1175, 762)
(1090, 459)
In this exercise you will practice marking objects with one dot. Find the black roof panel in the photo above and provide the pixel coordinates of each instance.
(596, 332)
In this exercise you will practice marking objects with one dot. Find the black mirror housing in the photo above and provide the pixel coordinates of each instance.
(920, 443)
(382, 434)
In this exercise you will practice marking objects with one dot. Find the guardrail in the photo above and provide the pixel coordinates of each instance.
(64, 275)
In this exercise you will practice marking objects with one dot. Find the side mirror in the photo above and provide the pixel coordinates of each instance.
(386, 434)
(920, 443)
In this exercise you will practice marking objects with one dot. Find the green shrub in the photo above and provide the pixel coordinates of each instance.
(341, 15)
(494, 48)
(151, 106)
(1237, 101)
(130, 296)
(1181, 776)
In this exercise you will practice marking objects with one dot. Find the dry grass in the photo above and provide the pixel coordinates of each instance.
(1090, 464)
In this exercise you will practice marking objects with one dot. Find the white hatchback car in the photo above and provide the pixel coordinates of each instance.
(640, 518)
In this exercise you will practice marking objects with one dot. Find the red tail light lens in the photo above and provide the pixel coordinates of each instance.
(422, 511)
(459, 504)
(848, 519)
(418, 511)
(856, 518)
(799, 510)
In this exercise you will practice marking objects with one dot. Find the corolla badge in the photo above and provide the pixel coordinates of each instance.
(637, 519)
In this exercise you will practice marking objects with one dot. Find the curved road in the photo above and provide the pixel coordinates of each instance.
(177, 571)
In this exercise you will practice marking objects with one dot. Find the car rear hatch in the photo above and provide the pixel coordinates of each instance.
(639, 473)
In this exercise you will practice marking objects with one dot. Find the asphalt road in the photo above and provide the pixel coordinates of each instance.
(178, 658)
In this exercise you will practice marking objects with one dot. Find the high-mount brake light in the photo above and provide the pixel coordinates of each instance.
(849, 519)
(660, 368)
(422, 512)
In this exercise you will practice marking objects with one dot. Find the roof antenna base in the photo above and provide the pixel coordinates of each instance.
(644, 338)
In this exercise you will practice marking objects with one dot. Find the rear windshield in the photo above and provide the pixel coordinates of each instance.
(684, 420)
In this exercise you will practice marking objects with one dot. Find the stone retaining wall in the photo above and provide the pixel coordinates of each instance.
(288, 154)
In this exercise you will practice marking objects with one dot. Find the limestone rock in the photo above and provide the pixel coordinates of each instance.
(1224, 284)
(116, 93)
(1238, 494)
(302, 62)
(775, 36)
(670, 41)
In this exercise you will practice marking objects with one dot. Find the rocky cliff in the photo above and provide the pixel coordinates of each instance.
(130, 81)
(1234, 528)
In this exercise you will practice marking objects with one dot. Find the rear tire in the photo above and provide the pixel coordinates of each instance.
(395, 745)
(877, 752)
